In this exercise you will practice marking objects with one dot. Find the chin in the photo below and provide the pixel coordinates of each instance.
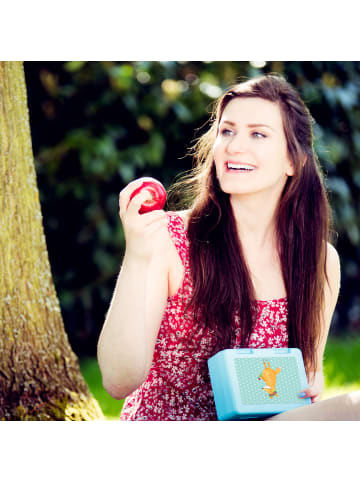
(235, 189)
(242, 189)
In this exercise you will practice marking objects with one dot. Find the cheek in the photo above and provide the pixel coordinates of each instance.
(219, 143)
(215, 148)
(218, 153)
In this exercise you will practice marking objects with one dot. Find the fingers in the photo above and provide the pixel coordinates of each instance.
(315, 386)
(132, 205)
(145, 234)
(136, 202)
(143, 224)
(124, 196)
(303, 394)
(156, 225)
(309, 393)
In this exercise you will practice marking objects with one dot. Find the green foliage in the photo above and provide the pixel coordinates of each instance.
(98, 125)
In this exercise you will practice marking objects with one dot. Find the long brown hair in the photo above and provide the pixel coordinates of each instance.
(222, 286)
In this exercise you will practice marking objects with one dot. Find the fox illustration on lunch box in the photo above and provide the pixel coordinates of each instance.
(269, 375)
(238, 393)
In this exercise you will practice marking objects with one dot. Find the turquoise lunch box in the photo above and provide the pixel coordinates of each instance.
(257, 382)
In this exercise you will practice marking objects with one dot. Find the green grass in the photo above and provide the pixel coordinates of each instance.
(342, 365)
(341, 369)
(91, 372)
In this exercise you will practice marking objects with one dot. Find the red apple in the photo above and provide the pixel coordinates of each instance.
(157, 192)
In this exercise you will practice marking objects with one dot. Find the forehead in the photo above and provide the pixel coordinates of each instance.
(253, 110)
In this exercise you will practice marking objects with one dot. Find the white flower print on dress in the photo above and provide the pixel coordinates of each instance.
(178, 384)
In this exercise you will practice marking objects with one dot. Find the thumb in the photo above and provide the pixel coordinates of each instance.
(308, 393)
(305, 393)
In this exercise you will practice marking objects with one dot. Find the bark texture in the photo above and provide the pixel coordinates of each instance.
(40, 378)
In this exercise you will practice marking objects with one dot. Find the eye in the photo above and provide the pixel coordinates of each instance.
(226, 132)
(258, 135)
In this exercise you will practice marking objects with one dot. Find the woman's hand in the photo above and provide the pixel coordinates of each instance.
(316, 387)
(145, 234)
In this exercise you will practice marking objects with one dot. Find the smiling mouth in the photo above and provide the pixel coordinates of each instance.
(233, 167)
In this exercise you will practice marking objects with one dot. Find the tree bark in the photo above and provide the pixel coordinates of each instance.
(40, 378)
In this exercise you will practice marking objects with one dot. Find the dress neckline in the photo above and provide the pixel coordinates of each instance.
(275, 300)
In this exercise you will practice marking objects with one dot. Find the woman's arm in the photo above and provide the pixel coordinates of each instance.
(127, 339)
(316, 379)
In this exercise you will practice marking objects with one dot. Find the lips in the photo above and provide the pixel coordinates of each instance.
(239, 167)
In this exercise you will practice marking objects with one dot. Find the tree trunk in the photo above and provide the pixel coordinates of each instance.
(40, 378)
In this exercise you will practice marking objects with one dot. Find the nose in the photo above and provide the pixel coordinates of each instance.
(236, 144)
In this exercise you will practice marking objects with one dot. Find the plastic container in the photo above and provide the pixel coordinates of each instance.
(257, 382)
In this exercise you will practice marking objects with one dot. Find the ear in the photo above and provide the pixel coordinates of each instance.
(290, 171)
(290, 168)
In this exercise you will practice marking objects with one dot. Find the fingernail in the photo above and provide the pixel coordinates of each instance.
(302, 395)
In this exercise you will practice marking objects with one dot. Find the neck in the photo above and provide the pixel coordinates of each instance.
(255, 220)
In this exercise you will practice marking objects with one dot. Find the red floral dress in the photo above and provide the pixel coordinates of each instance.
(178, 385)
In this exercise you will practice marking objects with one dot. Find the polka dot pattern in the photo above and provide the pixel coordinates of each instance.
(288, 383)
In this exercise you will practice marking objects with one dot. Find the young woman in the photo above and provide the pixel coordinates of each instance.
(248, 264)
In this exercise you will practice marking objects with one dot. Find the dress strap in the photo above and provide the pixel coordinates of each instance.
(178, 234)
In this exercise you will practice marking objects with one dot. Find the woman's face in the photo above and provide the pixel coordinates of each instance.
(250, 150)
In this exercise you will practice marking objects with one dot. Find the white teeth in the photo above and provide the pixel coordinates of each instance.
(230, 165)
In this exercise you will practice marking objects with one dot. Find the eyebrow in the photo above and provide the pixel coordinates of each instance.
(248, 125)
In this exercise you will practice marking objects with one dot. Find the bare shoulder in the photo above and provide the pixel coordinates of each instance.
(333, 269)
(333, 259)
(185, 215)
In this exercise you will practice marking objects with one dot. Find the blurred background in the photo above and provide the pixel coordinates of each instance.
(98, 125)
